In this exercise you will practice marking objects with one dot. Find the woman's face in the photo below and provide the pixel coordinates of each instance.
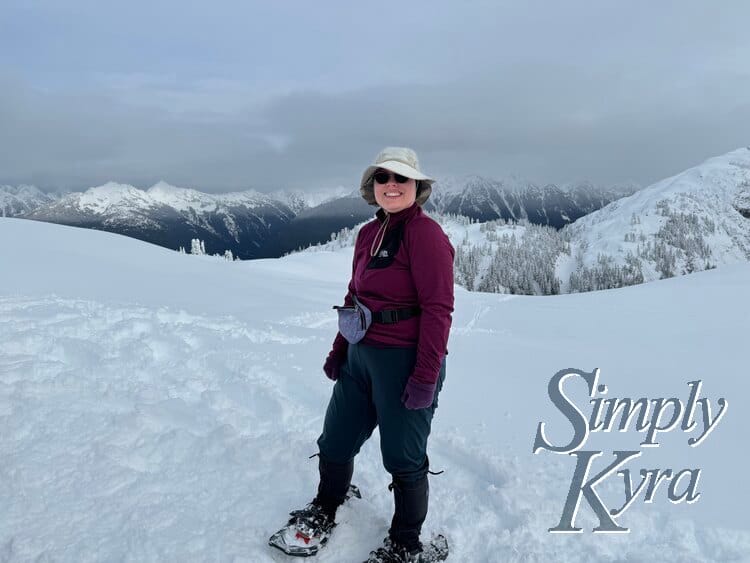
(393, 194)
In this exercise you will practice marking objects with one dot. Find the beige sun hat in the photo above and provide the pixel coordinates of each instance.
(399, 160)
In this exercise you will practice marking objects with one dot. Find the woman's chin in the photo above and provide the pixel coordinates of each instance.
(393, 206)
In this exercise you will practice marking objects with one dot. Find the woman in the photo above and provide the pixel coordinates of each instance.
(402, 275)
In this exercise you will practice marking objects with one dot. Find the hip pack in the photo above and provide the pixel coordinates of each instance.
(354, 320)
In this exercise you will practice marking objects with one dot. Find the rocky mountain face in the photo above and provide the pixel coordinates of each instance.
(486, 199)
(17, 200)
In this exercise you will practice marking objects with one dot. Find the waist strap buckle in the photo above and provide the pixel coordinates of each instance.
(389, 316)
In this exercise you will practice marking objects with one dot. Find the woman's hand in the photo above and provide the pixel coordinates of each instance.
(332, 365)
(418, 395)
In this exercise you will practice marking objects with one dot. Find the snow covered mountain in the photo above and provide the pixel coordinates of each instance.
(695, 220)
(22, 199)
(250, 223)
(474, 197)
(486, 199)
(145, 419)
(300, 200)
(243, 222)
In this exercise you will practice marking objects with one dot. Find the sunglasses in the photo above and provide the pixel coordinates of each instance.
(383, 177)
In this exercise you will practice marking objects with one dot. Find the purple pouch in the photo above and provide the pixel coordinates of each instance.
(354, 321)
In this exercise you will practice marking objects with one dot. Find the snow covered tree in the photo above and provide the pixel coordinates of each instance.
(197, 247)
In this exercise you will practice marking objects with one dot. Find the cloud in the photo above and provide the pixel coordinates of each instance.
(605, 92)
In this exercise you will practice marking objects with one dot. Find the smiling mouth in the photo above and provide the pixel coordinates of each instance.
(392, 194)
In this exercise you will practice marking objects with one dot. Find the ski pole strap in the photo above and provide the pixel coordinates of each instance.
(391, 316)
(435, 472)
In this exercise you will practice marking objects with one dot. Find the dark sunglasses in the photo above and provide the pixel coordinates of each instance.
(383, 177)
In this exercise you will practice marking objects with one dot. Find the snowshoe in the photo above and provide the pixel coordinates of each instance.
(308, 529)
(435, 550)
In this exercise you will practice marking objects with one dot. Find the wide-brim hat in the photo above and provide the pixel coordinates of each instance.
(399, 160)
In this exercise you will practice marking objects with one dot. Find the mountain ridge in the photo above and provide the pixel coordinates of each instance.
(253, 224)
(680, 223)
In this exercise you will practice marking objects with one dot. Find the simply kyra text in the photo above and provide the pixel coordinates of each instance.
(650, 416)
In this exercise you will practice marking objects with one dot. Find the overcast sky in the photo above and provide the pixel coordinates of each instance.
(293, 94)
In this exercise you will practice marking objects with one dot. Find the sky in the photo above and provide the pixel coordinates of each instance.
(303, 95)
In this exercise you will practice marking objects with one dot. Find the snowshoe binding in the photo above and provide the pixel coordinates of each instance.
(308, 529)
(433, 551)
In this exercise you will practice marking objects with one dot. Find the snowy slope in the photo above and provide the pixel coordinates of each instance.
(157, 406)
(695, 217)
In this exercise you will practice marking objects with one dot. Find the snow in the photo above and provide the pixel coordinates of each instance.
(186, 199)
(109, 197)
(128, 203)
(161, 407)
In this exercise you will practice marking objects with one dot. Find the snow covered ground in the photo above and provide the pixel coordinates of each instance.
(162, 407)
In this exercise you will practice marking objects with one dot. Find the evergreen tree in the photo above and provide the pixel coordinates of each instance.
(197, 247)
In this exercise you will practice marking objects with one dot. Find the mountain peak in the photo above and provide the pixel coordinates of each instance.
(101, 199)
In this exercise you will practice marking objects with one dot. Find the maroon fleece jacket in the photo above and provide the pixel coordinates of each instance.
(419, 274)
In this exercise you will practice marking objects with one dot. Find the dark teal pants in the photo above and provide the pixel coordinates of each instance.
(368, 394)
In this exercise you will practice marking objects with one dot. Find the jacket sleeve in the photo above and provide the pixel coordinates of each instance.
(431, 260)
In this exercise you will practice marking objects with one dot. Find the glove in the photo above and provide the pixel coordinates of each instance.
(336, 357)
(332, 365)
(418, 395)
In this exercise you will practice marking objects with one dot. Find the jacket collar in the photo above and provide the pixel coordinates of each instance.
(403, 215)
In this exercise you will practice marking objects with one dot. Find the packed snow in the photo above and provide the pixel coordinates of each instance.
(157, 406)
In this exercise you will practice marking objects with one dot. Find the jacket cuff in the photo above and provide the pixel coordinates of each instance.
(425, 376)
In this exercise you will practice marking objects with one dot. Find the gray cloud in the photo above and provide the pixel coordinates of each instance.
(607, 91)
